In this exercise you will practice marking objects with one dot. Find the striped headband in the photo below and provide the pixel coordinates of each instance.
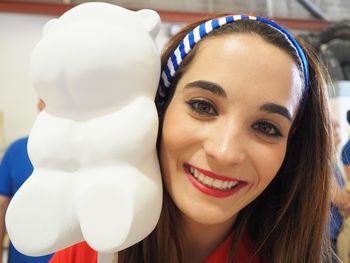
(199, 32)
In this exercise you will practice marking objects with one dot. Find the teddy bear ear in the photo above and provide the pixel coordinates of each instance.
(150, 20)
(49, 26)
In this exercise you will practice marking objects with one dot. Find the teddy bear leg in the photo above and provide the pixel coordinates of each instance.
(106, 212)
(46, 225)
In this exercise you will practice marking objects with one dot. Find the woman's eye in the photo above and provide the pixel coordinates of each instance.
(202, 107)
(267, 129)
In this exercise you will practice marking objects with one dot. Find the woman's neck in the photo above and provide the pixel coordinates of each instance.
(202, 240)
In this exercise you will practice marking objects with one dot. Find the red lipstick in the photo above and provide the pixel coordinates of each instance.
(208, 190)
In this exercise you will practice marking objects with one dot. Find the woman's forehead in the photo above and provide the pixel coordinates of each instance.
(247, 58)
(246, 65)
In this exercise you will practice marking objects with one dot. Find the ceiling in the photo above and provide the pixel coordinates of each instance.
(333, 10)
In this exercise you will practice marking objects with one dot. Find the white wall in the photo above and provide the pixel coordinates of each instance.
(18, 35)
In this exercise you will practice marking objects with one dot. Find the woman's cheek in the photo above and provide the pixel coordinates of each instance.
(272, 161)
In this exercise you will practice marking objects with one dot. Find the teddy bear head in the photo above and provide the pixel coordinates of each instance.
(95, 59)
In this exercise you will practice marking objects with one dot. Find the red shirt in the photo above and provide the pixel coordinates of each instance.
(244, 252)
(79, 253)
(82, 253)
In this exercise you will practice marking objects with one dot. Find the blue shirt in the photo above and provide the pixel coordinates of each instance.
(345, 154)
(15, 168)
(336, 220)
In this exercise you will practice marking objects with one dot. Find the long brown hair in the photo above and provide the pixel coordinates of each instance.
(288, 222)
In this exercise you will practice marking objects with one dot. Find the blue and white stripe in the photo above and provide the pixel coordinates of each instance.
(199, 32)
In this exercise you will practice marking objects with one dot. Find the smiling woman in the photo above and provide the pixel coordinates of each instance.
(244, 146)
(228, 126)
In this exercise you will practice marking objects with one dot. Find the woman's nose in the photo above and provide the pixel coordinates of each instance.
(226, 147)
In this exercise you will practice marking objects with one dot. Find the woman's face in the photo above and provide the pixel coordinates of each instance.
(225, 131)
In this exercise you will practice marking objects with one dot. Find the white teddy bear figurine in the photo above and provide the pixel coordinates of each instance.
(96, 174)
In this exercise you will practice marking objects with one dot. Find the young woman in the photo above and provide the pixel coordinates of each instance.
(244, 147)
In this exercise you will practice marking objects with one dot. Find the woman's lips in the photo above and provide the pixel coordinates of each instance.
(212, 184)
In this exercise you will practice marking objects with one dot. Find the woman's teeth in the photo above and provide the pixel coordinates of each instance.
(211, 182)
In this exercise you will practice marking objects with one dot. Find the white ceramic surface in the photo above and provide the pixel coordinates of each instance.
(96, 174)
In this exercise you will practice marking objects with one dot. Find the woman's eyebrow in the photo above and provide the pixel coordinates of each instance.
(207, 85)
(218, 90)
(275, 108)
